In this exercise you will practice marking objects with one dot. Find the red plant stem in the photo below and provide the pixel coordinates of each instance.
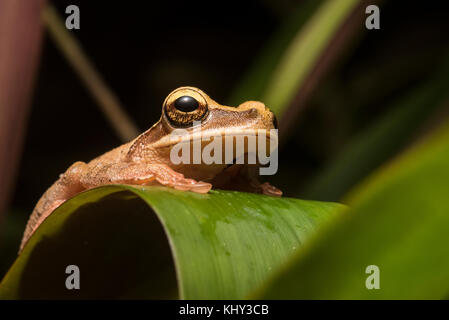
(20, 38)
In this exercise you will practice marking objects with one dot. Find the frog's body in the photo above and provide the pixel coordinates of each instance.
(146, 159)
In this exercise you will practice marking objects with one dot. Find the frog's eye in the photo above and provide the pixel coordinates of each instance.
(184, 106)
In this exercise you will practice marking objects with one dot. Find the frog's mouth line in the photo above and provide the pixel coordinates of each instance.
(248, 149)
(173, 139)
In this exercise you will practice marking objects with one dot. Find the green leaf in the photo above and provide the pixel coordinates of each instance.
(398, 221)
(219, 245)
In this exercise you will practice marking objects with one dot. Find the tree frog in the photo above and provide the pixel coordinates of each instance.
(146, 159)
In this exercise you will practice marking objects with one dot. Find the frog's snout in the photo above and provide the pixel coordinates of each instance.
(258, 109)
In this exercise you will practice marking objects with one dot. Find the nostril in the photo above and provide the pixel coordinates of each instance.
(275, 121)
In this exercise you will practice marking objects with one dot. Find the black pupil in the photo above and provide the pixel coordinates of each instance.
(186, 104)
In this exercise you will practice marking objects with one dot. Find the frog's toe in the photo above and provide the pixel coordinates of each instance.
(270, 190)
(194, 186)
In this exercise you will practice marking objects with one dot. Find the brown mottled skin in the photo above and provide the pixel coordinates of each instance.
(146, 159)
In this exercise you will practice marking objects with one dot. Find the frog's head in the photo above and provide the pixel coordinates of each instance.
(186, 107)
(189, 115)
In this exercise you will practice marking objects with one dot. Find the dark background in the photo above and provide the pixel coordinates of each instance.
(144, 50)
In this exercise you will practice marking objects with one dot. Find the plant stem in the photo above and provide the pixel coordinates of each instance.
(73, 52)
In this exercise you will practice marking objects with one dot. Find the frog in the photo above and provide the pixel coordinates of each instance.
(146, 160)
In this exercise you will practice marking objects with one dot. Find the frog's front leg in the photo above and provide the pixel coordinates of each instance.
(81, 176)
(142, 173)
(64, 188)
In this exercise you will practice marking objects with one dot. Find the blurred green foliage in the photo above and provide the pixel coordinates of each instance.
(398, 221)
(257, 78)
(388, 134)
